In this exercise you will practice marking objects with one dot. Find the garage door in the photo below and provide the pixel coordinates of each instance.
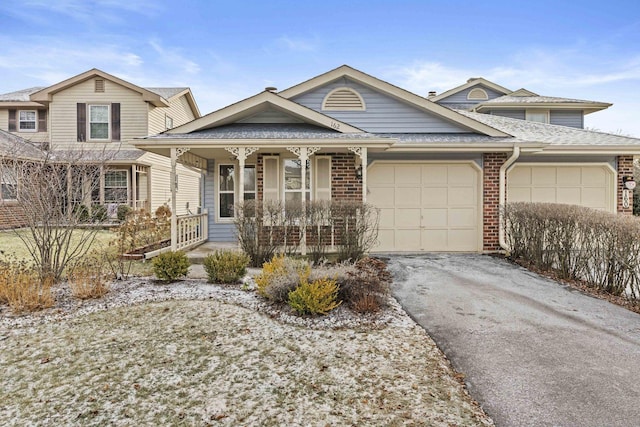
(590, 186)
(426, 206)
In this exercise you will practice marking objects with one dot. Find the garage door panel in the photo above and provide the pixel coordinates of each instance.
(407, 196)
(594, 197)
(408, 218)
(446, 193)
(435, 217)
(543, 176)
(594, 176)
(519, 195)
(544, 194)
(462, 217)
(520, 176)
(462, 196)
(569, 176)
(570, 196)
(434, 196)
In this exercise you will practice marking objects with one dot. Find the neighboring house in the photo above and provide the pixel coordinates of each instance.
(483, 96)
(99, 113)
(438, 175)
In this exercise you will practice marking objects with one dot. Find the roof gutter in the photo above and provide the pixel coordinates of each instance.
(502, 195)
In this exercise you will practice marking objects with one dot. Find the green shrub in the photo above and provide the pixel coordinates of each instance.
(226, 266)
(123, 212)
(317, 297)
(170, 266)
(81, 213)
(99, 213)
(367, 286)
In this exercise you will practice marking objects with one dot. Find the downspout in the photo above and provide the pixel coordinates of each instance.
(502, 194)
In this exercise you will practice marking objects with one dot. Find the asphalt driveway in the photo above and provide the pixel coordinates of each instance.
(534, 352)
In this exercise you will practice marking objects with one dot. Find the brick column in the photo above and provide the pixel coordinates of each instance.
(344, 183)
(491, 163)
(625, 168)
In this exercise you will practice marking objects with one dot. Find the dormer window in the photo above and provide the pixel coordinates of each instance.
(343, 98)
(540, 116)
(477, 94)
(99, 85)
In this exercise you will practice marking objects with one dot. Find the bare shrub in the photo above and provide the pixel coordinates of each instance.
(578, 243)
(356, 226)
(367, 287)
(319, 223)
(88, 280)
(257, 225)
(22, 288)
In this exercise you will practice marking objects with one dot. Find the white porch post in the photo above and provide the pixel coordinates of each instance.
(303, 154)
(134, 187)
(172, 185)
(175, 153)
(241, 154)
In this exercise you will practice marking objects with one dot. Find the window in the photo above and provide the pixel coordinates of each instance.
(227, 187)
(8, 186)
(168, 122)
(477, 94)
(293, 181)
(116, 186)
(27, 120)
(538, 116)
(98, 122)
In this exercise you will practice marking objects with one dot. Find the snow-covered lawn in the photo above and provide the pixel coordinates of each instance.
(198, 354)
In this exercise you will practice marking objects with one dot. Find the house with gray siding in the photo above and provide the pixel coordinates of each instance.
(437, 168)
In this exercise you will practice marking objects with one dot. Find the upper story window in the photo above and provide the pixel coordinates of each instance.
(98, 122)
(168, 122)
(343, 98)
(27, 121)
(477, 94)
(538, 116)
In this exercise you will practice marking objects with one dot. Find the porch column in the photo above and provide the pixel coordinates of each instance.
(361, 161)
(303, 154)
(134, 187)
(175, 153)
(241, 154)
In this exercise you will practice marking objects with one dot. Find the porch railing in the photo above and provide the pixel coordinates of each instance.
(192, 230)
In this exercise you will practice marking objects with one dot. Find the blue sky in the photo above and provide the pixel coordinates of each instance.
(229, 50)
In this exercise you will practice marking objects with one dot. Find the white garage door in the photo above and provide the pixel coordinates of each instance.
(426, 206)
(590, 186)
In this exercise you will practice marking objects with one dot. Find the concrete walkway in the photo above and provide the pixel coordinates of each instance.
(535, 353)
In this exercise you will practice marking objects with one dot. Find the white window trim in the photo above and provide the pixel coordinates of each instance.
(108, 122)
(235, 191)
(35, 128)
(283, 186)
(355, 92)
(546, 112)
(314, 173)
(8, 181)
(483, 97)
(104, 186)
(166, 121)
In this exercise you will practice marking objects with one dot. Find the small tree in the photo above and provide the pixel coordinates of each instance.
(50, 191)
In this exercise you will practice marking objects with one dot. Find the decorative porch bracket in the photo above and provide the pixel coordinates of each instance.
(361, 161)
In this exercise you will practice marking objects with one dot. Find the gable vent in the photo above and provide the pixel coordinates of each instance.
(343, 98)
(99, 85)
(478, 94)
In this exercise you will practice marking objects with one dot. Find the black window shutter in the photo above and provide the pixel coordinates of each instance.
(115, 121)
(42, 120)
(12, 121)
(82, 122)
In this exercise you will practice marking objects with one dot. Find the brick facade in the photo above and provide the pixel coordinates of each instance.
(12, 216)
(491, 203)
(625, 168)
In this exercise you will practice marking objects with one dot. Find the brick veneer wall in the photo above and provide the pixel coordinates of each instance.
(625, 168)
(12, 216)
(491, 204)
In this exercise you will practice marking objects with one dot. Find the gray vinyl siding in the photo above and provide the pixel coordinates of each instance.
(512, 114)
(571, 118)
(383, 113)
(461, 97)
(218, 232)
(271, 116)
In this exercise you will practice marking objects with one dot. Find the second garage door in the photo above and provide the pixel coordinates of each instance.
(426, 206)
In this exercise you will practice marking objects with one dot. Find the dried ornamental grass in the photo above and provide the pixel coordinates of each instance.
(88, 280)
(22, 289)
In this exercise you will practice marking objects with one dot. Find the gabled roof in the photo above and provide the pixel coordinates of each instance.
(401, 94)
(257, 103)
(554, 135)
(169, 93)
(523, 92)
(44, 95)
(471, 83)
(510, 101)
(20, 98)
(15, 147)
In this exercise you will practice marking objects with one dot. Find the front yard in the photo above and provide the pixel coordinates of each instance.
(208, 360)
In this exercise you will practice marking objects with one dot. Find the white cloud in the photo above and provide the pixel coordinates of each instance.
(296, 44)
(173, 58)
